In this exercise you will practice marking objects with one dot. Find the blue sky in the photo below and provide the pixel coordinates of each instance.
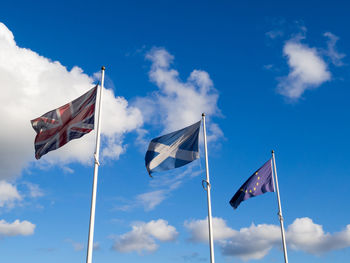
(269, 75)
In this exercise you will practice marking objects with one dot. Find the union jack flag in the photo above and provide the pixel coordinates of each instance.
(71, 121)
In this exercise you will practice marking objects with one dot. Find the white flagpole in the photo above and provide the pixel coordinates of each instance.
(279, 208)
(207, 188)
(94, 185)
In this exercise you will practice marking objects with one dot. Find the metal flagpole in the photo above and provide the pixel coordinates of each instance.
(94, 186)
(279, 208)
(207, 188)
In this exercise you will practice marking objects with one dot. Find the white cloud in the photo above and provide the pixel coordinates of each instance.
(96, 246)
(150, 200)
(308, 70)
(305, 235)
(34, 190)
(9, 194)
(143, 236)
(194, 257)
(199, 229)
(17, 228)
(335, 56)
(33, 85)
(76, 245)
(274, 34)
(255, 242)
(114, 148)
(177, 104)
(165, 185)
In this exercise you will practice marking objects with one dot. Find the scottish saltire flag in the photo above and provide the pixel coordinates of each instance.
(257, 184)
(173, 150)
(71, 121)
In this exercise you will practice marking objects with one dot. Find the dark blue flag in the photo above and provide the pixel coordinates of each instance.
(257, 184)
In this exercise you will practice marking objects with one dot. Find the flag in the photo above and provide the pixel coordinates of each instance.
(173, 150)
(257, 184)
(71, 121)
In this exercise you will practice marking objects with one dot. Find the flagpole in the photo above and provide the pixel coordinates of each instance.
(97, 164)
(279, 208)
(207, 188)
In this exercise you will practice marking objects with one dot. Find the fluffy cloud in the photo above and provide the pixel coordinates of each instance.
(9, 194)
(308, 67)
(17, 228)
(34, 190)
(76, 245)
(177, 104)
(199, 229)
(305, 235)
(148, 200)
(143, 236)
(332, 52)
(194, 257)
(247, 243)
(255, 242)
(33, 85)
(165, 185)
(274, 34)
(308, 70)
(96, 246)
(151, 199)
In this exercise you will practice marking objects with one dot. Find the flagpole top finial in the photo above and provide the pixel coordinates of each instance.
(103, 68)
(203, 114)
(272, 151)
